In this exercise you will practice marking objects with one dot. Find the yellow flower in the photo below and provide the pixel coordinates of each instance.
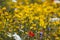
(57, 22)
(16, 10)
(57, 38)
(36, 17)
(0, 11)
(42, 23)
(22, 27)
(6, 13)
(38, 32)
(33, 24)
(4, 8)
(48, 9)
(31, 27)
(35, 28)
(26, 32)
(0, 22)
(17, 15)
(44, 26)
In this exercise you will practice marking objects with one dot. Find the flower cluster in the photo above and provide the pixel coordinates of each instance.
(31, 20)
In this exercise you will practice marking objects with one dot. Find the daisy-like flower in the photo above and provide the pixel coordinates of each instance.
(54, 19)
(15, 36)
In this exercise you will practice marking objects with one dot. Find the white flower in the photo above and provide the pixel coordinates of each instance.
(54, 19)
(9, 35)
(14, 1)
(57, 1)
(21, 30)
(16, 37)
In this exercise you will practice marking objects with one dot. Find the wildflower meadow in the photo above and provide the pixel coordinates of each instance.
(29, 20)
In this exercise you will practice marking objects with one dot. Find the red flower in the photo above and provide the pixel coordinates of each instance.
(31, 34)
